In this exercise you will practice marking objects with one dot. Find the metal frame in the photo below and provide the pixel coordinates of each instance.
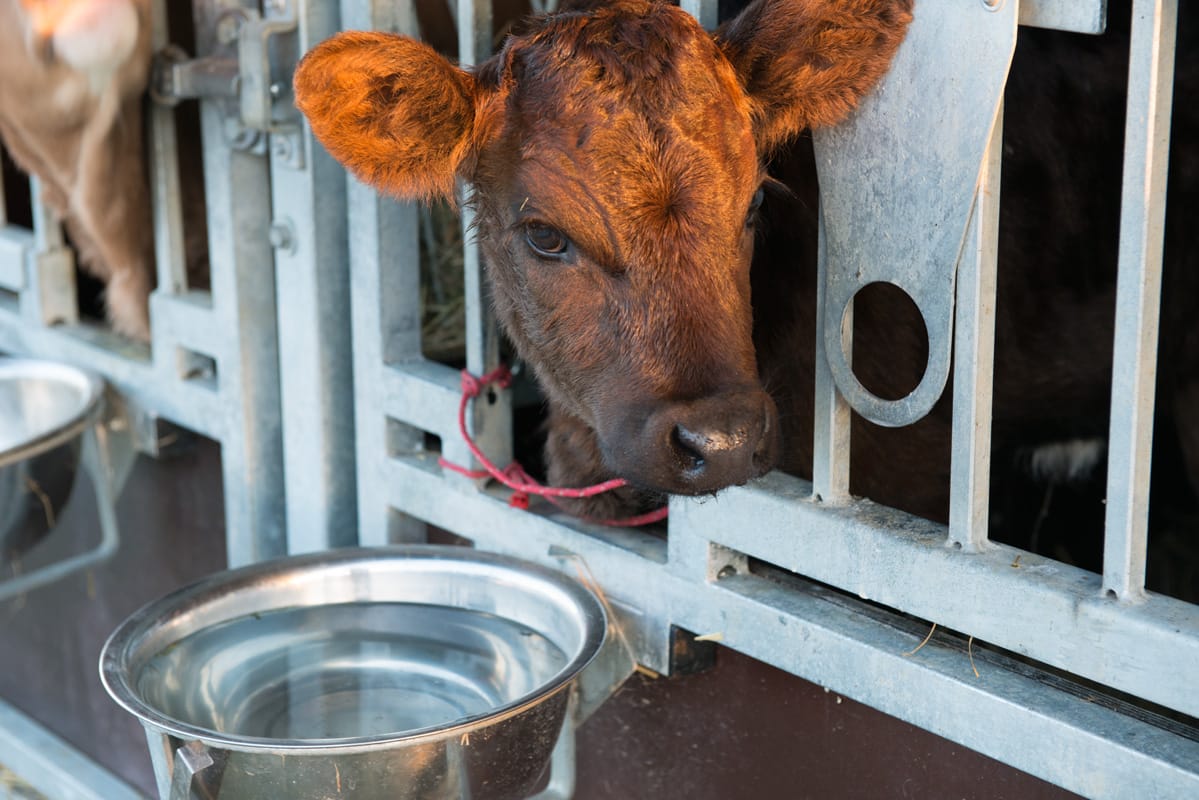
(212, 364)
(1102, 628)
(52, 766)
(277, 211)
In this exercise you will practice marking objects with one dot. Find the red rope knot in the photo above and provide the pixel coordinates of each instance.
(514, 476)
(472, 387)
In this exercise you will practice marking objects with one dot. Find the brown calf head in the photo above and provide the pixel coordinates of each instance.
(617, 163)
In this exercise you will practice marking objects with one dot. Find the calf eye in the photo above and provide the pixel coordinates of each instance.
(546, 240)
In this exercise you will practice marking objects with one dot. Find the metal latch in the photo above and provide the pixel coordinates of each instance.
(175, 77)
(250, 68)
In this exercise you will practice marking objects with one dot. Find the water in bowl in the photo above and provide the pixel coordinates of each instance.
(347, 671)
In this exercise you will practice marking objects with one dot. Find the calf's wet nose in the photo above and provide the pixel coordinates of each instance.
(704, 445)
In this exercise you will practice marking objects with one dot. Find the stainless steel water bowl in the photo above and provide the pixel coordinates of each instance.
(44, 410)
(389, 673)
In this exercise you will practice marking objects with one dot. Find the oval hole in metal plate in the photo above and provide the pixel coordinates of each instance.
(888, 340)
(897, 184)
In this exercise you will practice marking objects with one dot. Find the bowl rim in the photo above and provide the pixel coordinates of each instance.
(116, 655)
(92, 391)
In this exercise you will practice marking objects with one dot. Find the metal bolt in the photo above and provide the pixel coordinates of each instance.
(280, 236)
(281, 146)
(227, 28)
(992, 5)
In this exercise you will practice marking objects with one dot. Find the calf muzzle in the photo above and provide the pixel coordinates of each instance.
(700, 446)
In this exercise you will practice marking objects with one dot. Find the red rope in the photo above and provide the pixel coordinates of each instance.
(514, 476)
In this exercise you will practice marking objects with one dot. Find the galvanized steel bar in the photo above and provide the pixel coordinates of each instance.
(49, 294)
(384, 253)
(385, 293)
(830, 639)
(1138, 294)
(474, 31)
(15, 245)
(1019, 601)
(482, 346)
(831, 429)
(974, 357)
(308, 231)
(237, 191)
(1079, 16)
(706, 11)
(165, 190)
(491, 420)
(53, 767)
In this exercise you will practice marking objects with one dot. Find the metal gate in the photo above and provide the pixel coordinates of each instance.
(826, 552)
(212, 365)
(305, 362)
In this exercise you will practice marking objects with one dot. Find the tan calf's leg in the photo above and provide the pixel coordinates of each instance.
(111, 202)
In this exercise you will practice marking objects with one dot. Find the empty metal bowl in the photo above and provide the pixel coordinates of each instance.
(389, 673)
(44, 410)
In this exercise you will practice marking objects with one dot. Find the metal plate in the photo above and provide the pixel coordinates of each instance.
(897, 182)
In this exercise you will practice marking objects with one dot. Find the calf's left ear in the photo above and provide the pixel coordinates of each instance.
(395, 112)
(807, 63)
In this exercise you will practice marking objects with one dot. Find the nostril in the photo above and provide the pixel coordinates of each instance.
(689, 445)
(763, 455)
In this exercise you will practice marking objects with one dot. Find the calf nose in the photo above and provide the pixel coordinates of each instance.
(708, 444)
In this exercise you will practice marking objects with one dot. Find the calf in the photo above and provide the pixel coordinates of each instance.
(70, 113)
(618, 159)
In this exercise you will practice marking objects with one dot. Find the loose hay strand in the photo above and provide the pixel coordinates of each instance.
(928, 636)
(970, 653)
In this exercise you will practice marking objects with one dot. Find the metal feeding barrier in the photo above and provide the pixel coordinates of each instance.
(831, 553)
(305, 362)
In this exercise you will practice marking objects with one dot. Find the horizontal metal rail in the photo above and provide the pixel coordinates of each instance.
(51, 766)
(1008, 712)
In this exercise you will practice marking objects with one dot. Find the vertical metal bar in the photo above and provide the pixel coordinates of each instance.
(1138, 294)
(50, 290)
(830, 436)
(385, 296)
(165, 189)
(313, 289)
(491, 421)
(474, 31)
(974, 358)
(384, 254)
(482, 347)
(706, 11)
(237, 189)
(47, 231)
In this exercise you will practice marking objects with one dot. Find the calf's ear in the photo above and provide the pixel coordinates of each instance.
(396, 113)
(807, 63)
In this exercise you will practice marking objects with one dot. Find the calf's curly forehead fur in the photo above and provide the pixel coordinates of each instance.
(407, 121)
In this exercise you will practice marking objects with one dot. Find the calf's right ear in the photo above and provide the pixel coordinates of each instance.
(395, 112)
